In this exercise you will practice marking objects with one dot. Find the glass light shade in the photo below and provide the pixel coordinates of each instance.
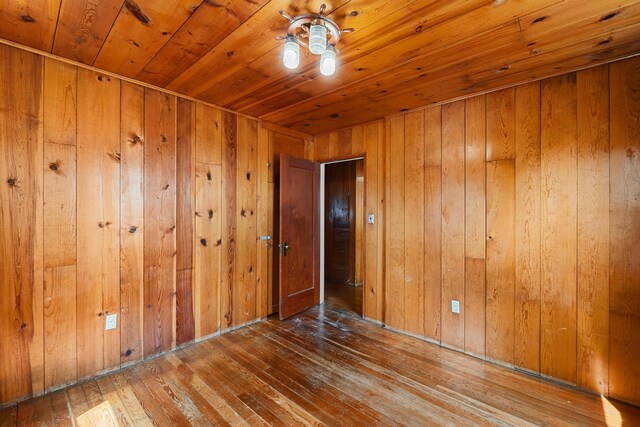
(317, 39)
(328, 62)
(291, 54)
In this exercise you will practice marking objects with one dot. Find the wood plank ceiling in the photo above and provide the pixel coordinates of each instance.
(404, 54)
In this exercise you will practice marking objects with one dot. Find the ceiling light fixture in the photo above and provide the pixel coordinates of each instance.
(322, 34)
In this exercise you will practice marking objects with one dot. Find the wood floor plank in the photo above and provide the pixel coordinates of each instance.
(9, 417)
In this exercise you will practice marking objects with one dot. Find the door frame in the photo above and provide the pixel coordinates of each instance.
(345, 159)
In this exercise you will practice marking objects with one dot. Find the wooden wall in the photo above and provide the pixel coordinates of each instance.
(364, 140)
(522, 204)
(119, 199)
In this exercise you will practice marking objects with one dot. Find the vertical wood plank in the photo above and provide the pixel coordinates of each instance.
(185, 226)
(475, 292)
(433, 222)
(394, 288)
(501, 125)
(558, 250)
(500, 264)
(208, 134)
(372, 287)
(263, 229)
(132, 183)
(21, 136)
(381, 221)
(453, 223)
(593, 229)
(527, 292)
(246, 251)
(60, 350)
(229, 219)
(414, 223)
(624, 230)
(159, 221)
(208, 246)
(98, 172)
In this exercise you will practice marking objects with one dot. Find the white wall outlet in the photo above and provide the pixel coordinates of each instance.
(371, 219)
(455, 306)
(111, 321)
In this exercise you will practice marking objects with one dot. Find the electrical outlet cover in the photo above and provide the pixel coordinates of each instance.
(455, 306)
(111, 322)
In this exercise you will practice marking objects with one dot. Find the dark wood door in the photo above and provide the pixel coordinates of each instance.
(299, 245)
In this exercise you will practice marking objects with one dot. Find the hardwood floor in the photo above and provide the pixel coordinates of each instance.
(343, 297)
(325, 366)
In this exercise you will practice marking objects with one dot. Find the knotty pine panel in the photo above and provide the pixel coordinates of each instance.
(89, 194)
(229, 123)
(132, 185)
(263, 206)
(21, 253)
(206, 296)
(159, 221)
(246, 191)
(98, 185)
(185, 218)
(60, 324)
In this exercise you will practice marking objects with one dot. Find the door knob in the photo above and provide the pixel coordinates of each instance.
(284, 246)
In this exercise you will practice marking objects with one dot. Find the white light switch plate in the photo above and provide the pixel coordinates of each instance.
(371, 219)
(111, 322)
(455, 306)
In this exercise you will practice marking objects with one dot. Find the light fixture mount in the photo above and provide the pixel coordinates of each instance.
(316, 32)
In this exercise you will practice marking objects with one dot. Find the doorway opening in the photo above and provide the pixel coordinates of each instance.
(342, 234)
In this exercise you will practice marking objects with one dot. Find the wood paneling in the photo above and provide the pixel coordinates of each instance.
(559, 244)
(246, 214)
(185, 219)
(414, 223)
(558, 187)
(208, 245)
(402, 56)
(98, 190)
(132, 186)
(394, 282)
(624, 284)
(433, 222)
(59, 214)
(453, 204)
(475, 223)
(593, 228)
(106, 199)
(527, 228)
(229, 218)
(554, 169)
(21, 254)
(159, 221)
(500, 260)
